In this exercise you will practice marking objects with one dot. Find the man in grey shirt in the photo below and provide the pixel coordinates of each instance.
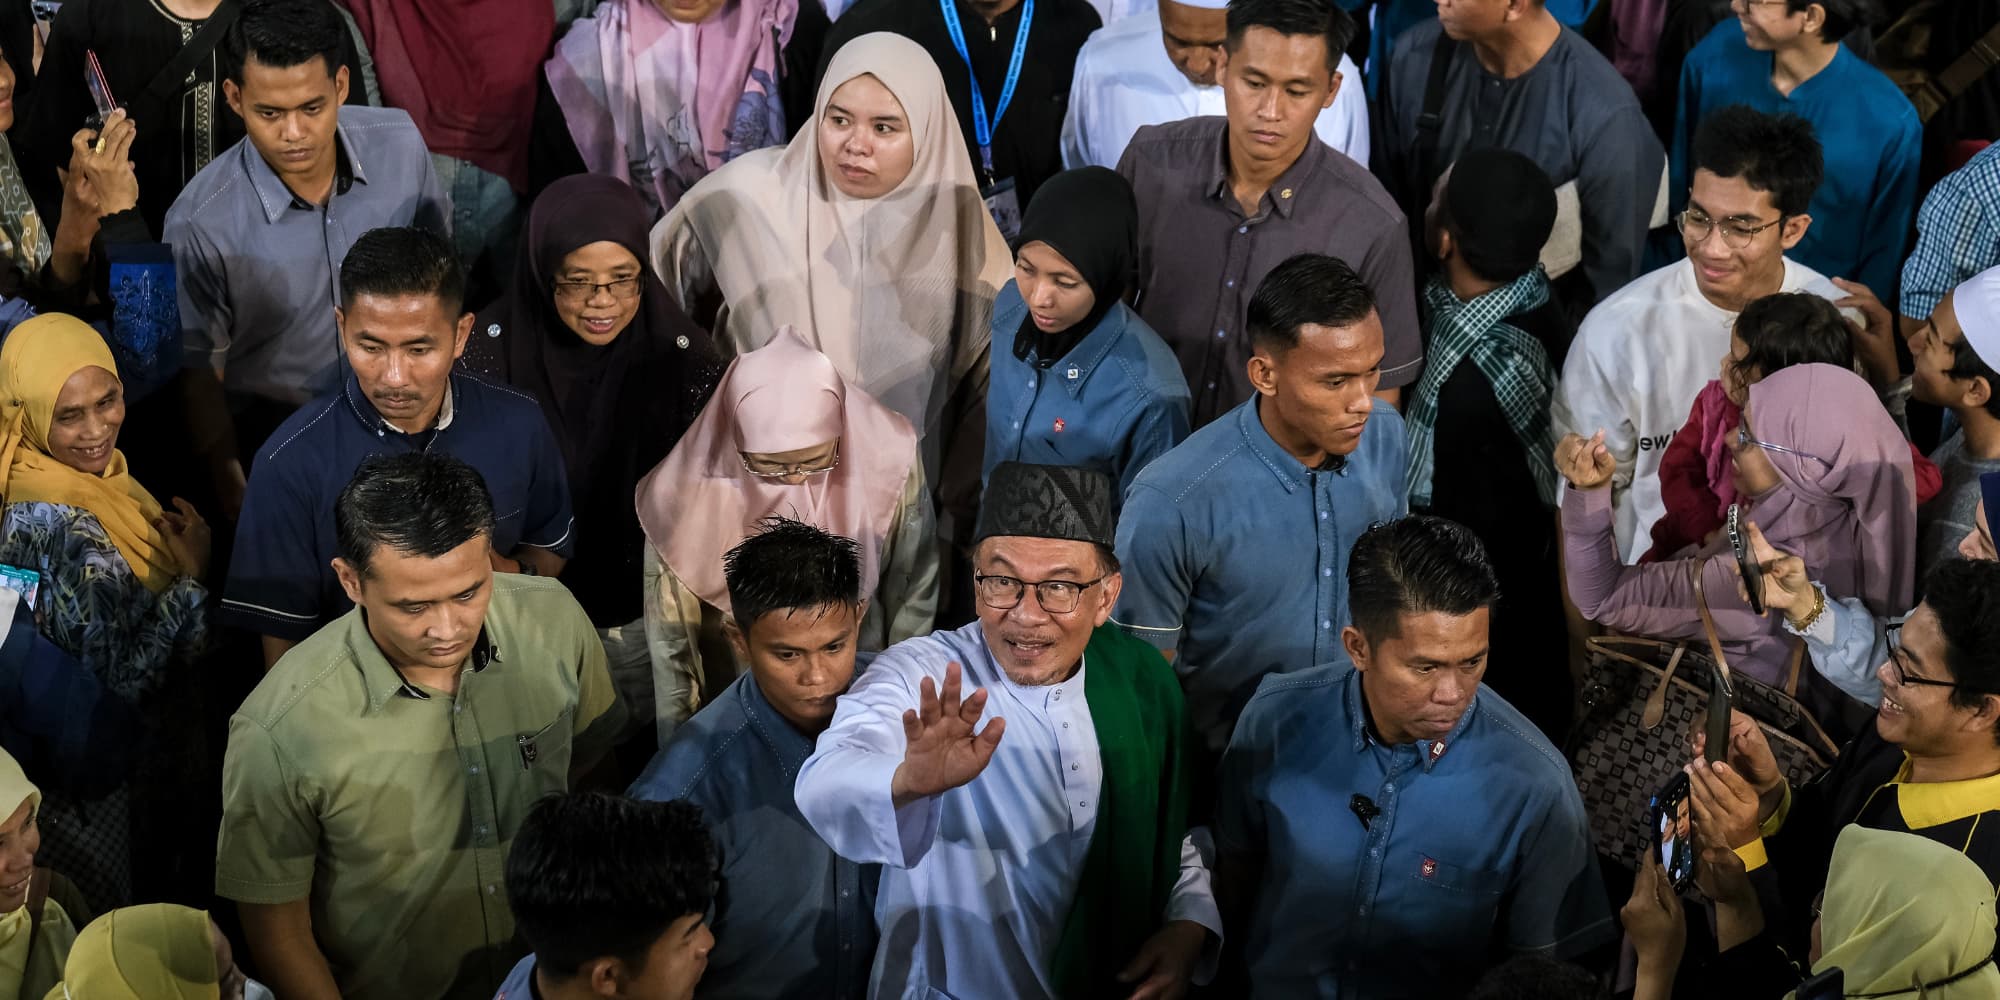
(1955, 355)
(1531, 85)
(1223, 201)
(259, 234)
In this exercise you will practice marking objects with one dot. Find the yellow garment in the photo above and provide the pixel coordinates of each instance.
(159, 951)
(29, 962)
(1902, 911)
(35, 360)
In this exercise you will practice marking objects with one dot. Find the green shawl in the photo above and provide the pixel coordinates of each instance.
(1135, 847)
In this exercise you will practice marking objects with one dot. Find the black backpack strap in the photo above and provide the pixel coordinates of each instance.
(1430, 121)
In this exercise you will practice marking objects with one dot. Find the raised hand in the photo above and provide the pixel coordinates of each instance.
(1750, 755)
(1585, 462)
(1875, 337)
(941, 750)
(1725, 806)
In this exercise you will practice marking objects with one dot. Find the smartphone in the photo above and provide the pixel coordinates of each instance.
(1828, 985)
(1753, 574)
(26, 582)
(99, 86)
(1720, 699)
(1673, 831)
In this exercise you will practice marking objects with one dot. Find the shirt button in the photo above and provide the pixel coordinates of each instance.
(1031, 383)
(1231, 283)
(1083, 805)
(490, 890)
(1017, 425)
(1219, 334)
(1325, 625)
(1389, 789)
(1326, 571)
(844, 893)
(474, 769)
(1211, 385)
(1065, 725)
(1374, 852)
(1364, 910)
(482, 830)
(1322, 515)
(1074, 766)
(1242, 229)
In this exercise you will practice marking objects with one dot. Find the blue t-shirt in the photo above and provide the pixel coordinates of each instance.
(1869, 137)
(1480, 845)
(281, 580)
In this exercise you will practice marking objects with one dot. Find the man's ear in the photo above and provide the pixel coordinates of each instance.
(350, 578)
(234, 95)
(1792, 230)
(460, 336)
(1978, 392)
(1263, 370)
(1357, 647)
(738, 643)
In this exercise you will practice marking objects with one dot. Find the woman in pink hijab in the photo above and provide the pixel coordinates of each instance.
(1820, 468)
(784, 435)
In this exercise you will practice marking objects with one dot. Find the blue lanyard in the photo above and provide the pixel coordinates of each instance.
(982, 130)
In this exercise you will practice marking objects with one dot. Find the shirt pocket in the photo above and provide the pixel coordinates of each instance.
(1454, 905)
(545, 753)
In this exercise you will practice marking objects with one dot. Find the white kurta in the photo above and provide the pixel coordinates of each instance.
(978, 881)
(1124, 81)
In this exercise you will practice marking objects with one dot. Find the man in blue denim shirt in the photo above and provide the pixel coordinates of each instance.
(792, 919)
(1235, 543)
(1387, 829)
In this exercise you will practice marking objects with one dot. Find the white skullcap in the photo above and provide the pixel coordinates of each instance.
(1976, 302)
(1204, 4)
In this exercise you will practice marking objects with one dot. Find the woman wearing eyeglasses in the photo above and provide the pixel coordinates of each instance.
(1819, 466)
(620, 372)
(786, 434)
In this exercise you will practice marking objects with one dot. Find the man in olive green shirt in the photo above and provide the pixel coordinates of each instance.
(377, 774)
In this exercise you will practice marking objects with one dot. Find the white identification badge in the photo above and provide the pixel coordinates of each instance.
(1004, 205)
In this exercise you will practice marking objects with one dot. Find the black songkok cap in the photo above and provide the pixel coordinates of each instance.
(1046, 501)
(1502, 208)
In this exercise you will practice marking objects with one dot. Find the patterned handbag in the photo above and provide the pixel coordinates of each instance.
(1636, 714)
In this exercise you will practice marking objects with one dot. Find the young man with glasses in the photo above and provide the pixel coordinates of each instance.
(1930, 765)
(402, 326)
(1642, 356)
(1032, 830)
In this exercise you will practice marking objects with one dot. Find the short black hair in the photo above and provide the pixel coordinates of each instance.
(592, 875)
(1791, 328)
(1777, 153)
(418, 503)
(1293, 17)
(1842, 16)
(1306, 288)
(1967, 364)
(282, 34)
(1964, 594)
(1414, 565)
(1538, 977)
(403, 260)
(788, 565)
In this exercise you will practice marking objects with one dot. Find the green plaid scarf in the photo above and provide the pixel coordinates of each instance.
(1514, 363)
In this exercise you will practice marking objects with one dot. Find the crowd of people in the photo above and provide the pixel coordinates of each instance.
(783, 498)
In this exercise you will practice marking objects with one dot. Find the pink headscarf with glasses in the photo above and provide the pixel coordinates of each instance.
(785, 396)
(1850, 512)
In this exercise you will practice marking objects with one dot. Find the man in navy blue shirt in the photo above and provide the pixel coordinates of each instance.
(1387, 829)
(1234, 542)
(793, 919)
(402, 325)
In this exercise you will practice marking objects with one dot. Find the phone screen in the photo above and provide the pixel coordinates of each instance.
(1673, 831)
(26, 582)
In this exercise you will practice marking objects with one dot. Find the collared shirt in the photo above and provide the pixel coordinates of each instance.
(282, 582)
(1869, 135)
(978, 881)
(259, 268)
(1215, 534)
(793, 919)
(1201, 257)
(1480, 845)
(1124, 80)
(1639, 360)
(1958, 233)
(1115, 402)
(390, 806)
(1571, 113)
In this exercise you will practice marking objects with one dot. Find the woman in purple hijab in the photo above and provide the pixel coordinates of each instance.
(1826, 475)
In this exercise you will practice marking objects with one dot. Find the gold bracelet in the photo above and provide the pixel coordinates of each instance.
(1819, 608)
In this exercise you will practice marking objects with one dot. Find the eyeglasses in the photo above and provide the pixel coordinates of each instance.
(1893, 633)
(1057, 597)
(1745, 439)
(583, 291)
(1696, 226)
(792, 470)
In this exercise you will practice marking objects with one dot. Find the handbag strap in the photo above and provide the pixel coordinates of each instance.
(1707, 620)
(167, 82)
(1656, 703)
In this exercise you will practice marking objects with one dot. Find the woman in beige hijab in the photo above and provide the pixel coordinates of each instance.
(35, 930)
(866, 233)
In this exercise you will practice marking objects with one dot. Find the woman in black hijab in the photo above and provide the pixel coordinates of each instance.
(1078, 378)
(588, 330)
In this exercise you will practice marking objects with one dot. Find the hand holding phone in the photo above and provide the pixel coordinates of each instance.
(1672, 819)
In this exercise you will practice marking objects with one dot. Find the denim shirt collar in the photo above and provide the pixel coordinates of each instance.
(789, 746)
(272, 193)
(1072, 370)
(1429, 752)
(1291, 473)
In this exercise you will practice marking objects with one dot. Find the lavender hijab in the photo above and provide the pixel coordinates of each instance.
(658, 103)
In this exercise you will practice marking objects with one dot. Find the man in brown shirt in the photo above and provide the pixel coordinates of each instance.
(1224, 200)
